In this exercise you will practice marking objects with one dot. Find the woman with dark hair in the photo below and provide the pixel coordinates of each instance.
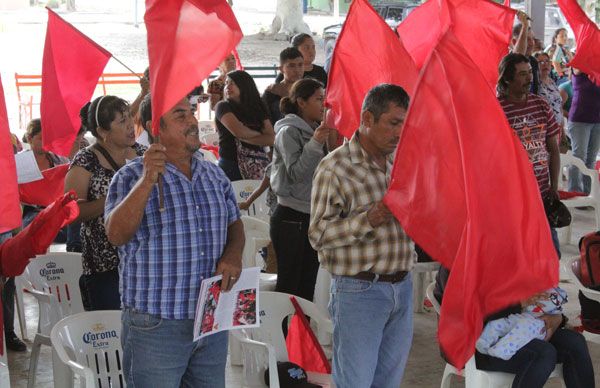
(306, 45)
(244, 129)
(560, 54)
(109, 119)
(300, 144)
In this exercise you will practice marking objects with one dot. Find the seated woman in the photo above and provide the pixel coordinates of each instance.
(300, 145)
(244, 129)
(109, 119)
(306, 45)
(291, 65)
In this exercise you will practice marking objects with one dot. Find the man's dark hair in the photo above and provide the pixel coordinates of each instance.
(289, 53)
(507, 70)
(298, 39)
(378, 99)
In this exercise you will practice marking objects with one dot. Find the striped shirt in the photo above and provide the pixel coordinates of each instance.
(534, 123)
(164, 263)
(346, 184)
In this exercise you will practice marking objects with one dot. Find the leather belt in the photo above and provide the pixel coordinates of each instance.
(391, 278)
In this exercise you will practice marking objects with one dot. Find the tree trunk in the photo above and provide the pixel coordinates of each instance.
(71, 5)
(288, 18)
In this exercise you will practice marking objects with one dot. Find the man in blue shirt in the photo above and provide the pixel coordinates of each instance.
(166, 254)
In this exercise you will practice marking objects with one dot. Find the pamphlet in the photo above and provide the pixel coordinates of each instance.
(235, 309)
(27, 167)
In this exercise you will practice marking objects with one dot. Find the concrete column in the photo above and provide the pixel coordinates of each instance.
(536, 9)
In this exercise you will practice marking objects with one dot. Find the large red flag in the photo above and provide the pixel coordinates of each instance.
(45, 191)
(483, 27)
(363, 58)
(187, 39)
(10, 210)
(463, 188)
(37, 236)
(587, 35)
(71, 67)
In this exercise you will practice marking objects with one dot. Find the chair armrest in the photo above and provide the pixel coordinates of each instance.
(85, 372)
(41, 296)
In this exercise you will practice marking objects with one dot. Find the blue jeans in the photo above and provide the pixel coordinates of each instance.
(372, 331)
(534, 362)
(159, 352)
(103, 290)
(585, 142)
(555, 241)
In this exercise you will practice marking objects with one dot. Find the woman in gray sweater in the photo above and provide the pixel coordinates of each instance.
(300, 144)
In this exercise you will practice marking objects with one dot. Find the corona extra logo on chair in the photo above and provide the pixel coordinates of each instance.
(51, 272)
(98, 336)
(246, 191)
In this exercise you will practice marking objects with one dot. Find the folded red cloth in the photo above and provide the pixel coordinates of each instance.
(570, 194)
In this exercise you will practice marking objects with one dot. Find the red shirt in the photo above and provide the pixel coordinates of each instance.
(534, 123)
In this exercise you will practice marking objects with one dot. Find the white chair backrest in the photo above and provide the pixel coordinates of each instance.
(208, 156)
(274, 307)
(56, 274)
(92, 340)
(210, 138)
(431, 297)
(257, 236)
(568, 159)
(243, 189)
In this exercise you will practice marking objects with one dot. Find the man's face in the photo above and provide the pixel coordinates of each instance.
(293, 69)
(521, 83)
(180, 129)
(384, 133)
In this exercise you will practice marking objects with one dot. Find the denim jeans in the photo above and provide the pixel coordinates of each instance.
(555, 241)
(534, 362)
(159, 352)
(372, 331)
(585, 142)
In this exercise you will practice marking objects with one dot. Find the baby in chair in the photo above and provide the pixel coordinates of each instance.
(503, 337)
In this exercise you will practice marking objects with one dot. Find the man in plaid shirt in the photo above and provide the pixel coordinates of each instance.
(365, 249)
(166, 253)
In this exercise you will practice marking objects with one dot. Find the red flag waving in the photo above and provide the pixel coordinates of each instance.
(302, 344)
(10, 210)
(363, 58)
(463, 188)
(71, 67)
(187, 39)
(37, 236)
(587, 36)
(483, 27)
(46, 190)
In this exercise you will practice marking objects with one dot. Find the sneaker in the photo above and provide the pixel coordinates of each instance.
(14, 343)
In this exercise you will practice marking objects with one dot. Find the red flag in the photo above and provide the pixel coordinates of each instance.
(10, 210)
(187, 39)
(46, 190)
(302, 344)
(483, 27)
(363, 58)
(507, 3)
(463, 188)
(587, 36)
(71, 67)
(35, 239)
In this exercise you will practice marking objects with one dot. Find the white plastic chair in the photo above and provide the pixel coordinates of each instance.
(264, 346)
(19, 285)
(476, 378)
(210, 138)
(4, 372)
(53, 279)
(573, 266)
(90, 344)
(593, 199)
(259, 208)
(257, 236)
(208, 156)
(421, 273)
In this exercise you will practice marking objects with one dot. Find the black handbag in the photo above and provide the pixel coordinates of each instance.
(557, 212)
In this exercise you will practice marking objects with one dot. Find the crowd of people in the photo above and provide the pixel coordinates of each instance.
(326, 210)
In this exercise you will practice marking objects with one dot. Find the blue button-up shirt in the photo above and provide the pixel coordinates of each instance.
(163, 265)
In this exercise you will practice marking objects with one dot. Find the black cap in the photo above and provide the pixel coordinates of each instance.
(291, 375)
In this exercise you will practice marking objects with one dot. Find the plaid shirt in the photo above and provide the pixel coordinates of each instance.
(347, 182)
(164, 263)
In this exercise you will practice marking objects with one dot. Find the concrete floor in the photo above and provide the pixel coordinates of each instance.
(424, 369)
